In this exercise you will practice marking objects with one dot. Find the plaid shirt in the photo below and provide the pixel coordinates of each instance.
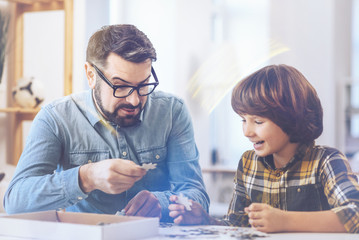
(316, 178)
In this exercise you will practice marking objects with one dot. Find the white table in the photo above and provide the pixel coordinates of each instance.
(232, 233)
(228, 233)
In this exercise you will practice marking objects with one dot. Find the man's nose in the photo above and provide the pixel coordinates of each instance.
(133, 98)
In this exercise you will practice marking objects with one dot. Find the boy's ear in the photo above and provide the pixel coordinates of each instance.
(90, 75)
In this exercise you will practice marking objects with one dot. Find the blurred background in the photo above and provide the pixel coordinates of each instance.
(204, 48)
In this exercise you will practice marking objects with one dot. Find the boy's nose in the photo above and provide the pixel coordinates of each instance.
(247, 131)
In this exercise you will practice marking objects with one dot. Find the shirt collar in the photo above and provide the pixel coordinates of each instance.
(91, 111)
(301, 151)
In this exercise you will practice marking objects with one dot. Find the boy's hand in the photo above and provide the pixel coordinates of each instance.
(265, 218)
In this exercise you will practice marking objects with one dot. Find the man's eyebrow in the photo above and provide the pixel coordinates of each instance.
(127, 82)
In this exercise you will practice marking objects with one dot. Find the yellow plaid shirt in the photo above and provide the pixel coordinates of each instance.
(317, 178)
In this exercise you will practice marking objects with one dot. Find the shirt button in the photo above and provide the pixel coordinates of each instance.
(278, 174)
(79, 198)
(299, 190)
(124, 154)
(157, 156)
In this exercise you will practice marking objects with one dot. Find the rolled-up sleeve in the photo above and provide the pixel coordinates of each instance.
(36, 185)
(342, 190)
(184, 171)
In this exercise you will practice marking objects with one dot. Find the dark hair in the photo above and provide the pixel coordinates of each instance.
(123, 39)
(283, 95)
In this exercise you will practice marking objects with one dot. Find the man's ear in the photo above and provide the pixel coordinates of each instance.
(90, 74)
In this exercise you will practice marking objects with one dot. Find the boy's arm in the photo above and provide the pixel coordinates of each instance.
(265, 218)
(321, 221)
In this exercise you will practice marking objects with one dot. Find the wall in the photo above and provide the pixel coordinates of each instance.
(44, 60)
(43, 34)
(317, 33)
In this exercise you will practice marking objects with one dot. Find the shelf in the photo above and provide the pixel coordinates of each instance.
(17, 115)
(38, 5)
(22, 114)
(19, 110)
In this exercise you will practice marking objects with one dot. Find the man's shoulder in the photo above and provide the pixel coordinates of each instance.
(165, 100)
(162, 105)
(68, 109)
(164, 96)
(68, 100)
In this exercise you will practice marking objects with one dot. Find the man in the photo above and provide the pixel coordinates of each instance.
(84, 152)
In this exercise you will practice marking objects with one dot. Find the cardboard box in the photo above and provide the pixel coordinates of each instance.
(69, 225)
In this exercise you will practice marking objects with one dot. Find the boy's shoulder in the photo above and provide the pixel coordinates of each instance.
(325, 150)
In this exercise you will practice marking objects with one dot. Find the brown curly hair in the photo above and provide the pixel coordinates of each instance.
(282, 94)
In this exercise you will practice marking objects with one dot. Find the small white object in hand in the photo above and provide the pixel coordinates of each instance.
(120, 213)
(149, 166)
(184, 201)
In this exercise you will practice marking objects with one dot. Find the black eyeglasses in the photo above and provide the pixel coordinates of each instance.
(122, 91)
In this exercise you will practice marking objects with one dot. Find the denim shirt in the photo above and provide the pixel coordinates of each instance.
(69, 132)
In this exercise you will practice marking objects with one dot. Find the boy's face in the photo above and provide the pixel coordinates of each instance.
(267, 137)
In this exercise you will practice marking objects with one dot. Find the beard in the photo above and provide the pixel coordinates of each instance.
(122, 121)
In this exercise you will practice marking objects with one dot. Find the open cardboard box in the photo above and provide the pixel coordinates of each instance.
(69, 225)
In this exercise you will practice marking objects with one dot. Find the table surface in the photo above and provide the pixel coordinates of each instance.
(173, 232)
(223, 232)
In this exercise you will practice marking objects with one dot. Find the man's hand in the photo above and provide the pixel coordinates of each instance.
(144, 204)
(265, 218)
(112, 176)
(183, 217)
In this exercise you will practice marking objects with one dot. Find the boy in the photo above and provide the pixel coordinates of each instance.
(287, 183)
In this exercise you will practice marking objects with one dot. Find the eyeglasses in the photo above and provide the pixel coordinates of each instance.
(122, 91)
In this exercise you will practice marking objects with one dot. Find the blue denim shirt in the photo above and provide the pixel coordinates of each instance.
(69, 132)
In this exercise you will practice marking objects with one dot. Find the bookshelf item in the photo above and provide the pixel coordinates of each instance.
(17, 115)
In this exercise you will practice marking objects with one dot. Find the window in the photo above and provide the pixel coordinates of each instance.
(352, 89)
(240, 35)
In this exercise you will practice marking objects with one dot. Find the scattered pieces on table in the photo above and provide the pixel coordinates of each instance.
(101, 224)
(209, 232)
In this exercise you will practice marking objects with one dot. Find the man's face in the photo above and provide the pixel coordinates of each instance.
(122, 111)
